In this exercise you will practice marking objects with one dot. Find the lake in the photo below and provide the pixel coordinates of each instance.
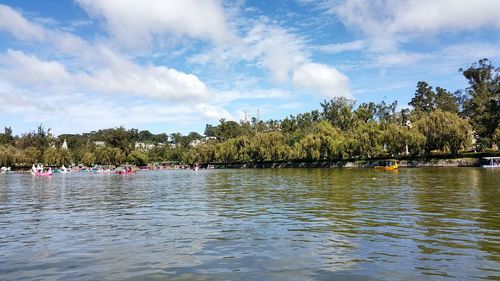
(252, 224)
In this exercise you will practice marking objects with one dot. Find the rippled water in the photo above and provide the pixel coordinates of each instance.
(283, 224)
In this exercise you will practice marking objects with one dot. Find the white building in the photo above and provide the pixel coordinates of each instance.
(99, 143)
(144, 146)
(64, 145)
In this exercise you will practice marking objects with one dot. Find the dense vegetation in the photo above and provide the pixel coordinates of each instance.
(437, 122)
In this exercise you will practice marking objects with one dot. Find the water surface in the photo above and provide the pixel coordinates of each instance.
(282, 224)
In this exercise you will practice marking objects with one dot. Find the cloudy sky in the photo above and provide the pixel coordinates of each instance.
(174, 66)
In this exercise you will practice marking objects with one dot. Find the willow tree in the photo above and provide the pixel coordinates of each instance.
(88, 158)
(57, 156)
(225, 152)
(31, 155)
(401, 139)
(8, 155)
(332, 141)
(106, 155)
(202, 153)
(308, 148)
(138, 157)
(365, 140)
(444, 130)
(269, 146)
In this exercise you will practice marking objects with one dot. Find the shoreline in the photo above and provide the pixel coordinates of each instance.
(471, 161)
(413, 163)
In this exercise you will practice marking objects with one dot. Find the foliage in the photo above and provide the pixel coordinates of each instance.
(481, 102)
(8, 155)
(426, 100)
(138, 157)
(444, 131)
(6, 137)
(88, 158)
(57, 156)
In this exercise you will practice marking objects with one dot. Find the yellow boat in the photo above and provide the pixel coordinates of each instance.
(391, 165)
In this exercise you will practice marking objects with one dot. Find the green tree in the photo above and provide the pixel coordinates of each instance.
(365, 140)
(73, 141)
(8, 155)
(227, 129)
(118, 137)
(366, 112)
(338, 112)
(138, 157)
(203, 153)
(482, 100)
(192, 136)
(424, 99)
(242, 145)
(53, 157)
(446, 101)
(309, 148)
(386, 113)
(31, 155)
(268, 146)
(6, 137)
(210, 131)
(398, 138)
(226, 152)
(444, 130)
(106, 155)
(332, 142)
(57, 156)
(496, 137)
(88, 158)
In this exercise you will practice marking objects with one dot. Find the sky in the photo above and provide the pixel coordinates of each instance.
(174, 66)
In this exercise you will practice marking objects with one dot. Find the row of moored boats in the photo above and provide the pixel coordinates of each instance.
(39, 170)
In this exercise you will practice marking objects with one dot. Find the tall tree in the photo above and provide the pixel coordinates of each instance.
(423, 101)
(366, 112)
(338, 112)
(482, 100)
(445, 101)
(6, 137)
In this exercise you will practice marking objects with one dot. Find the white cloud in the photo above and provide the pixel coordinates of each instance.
(29, 70)
(18, 103)
(399, 58)
(269, 46)
(226, 97)
(16, 24)
(342, 47)
(121, 77)
(97, 68)
(470, 52)
(444, 60)
(444, 15)
(73, 112)
(325, 80)
(213, 112)
(136, 23)
(279, 51)
(388, 22)
(93, 67)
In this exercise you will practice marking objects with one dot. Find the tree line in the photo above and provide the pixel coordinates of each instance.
(438, 121)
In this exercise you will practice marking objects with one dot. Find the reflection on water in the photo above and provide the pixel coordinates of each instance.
(283, 224)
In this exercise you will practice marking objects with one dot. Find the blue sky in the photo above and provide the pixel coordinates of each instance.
(174, 66)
